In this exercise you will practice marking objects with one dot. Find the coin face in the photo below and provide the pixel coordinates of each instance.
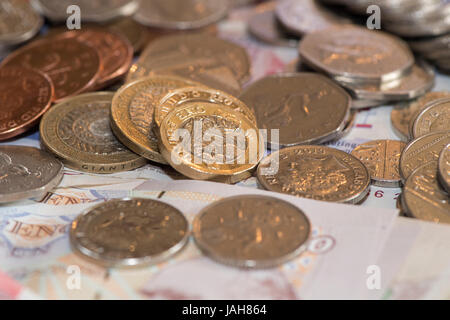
(422, 150)
(129, 232)
(207, 141)
(435, 117)
(315, 172)
(178, 97)
(423, 198)
(77, 130)
(382, 159)
(27, 172)
(356, 54)
(299, 105)
(18, 22)
(92, 10)
(211, 61)
(264, 26)
(132, 113)
(251, 231)
(116, 53)
(187, 14)
(305, 16)
(72, 66)
(25, 95)
(444, 168)
(403, 114)
(415, 84)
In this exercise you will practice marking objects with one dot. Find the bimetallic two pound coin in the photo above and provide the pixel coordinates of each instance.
(315, 172)
(382, 159)
(251, 231)
(129, 232)
(27, 173)
(77, 130)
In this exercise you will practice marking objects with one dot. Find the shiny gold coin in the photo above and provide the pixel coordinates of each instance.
(435, 117)
(299, 105)
(211, 61)
(180, 96)
(382, 159)
(315, 172)
(251, 231)
(423, 198)
(132, 113)
(207, 141)
(77, 131)
(444, 168)
(421, 151)
(403, 114)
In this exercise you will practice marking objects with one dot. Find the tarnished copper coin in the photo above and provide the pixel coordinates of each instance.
(423, 198)
(422, 150)
(251, 231)
(25, 95)
(211, 61)
(116, 53)
(356, 54)
(435, 117)
(444, 168)
(403, 114)
(129, 232)
(18, 22)
(382, 159)
(72, 66)
(299, 105)
(315, 172)
(186, 14)
(132, 112)
(77, 130)
(27, 173)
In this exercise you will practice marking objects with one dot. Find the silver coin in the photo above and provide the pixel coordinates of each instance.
(251, 231)
(181, 15)
(27, 173)
(18, 22)
(444, 168)
(435, 117)
(415, 84)
(91, 10)
(129, 232)
(357, 55)
(363, 104)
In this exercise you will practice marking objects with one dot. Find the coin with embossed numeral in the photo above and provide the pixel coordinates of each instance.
(299, 105)
(72, 66)
(27, 172)
(422, 150)
(382, 159)
(435, 117)
(251, 231)
(129, 232)
(423, 198)
(18, 22)
(315, 172)
(444, 168)
(77, 130)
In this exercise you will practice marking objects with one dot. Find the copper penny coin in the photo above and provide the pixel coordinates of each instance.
(72, 66)
(382, 159)
(116, 52)
(25, 95)
(299, 105)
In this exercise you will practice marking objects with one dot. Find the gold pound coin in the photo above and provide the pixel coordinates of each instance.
(132, 113)
(444, 168)
(315, 172)
(251, 231)
(435, 117)
(382, 159)
(207, 141)
(77, 130)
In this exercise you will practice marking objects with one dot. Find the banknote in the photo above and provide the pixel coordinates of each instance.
(12, 290)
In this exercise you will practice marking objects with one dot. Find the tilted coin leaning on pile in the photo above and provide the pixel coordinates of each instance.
(190, 102)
